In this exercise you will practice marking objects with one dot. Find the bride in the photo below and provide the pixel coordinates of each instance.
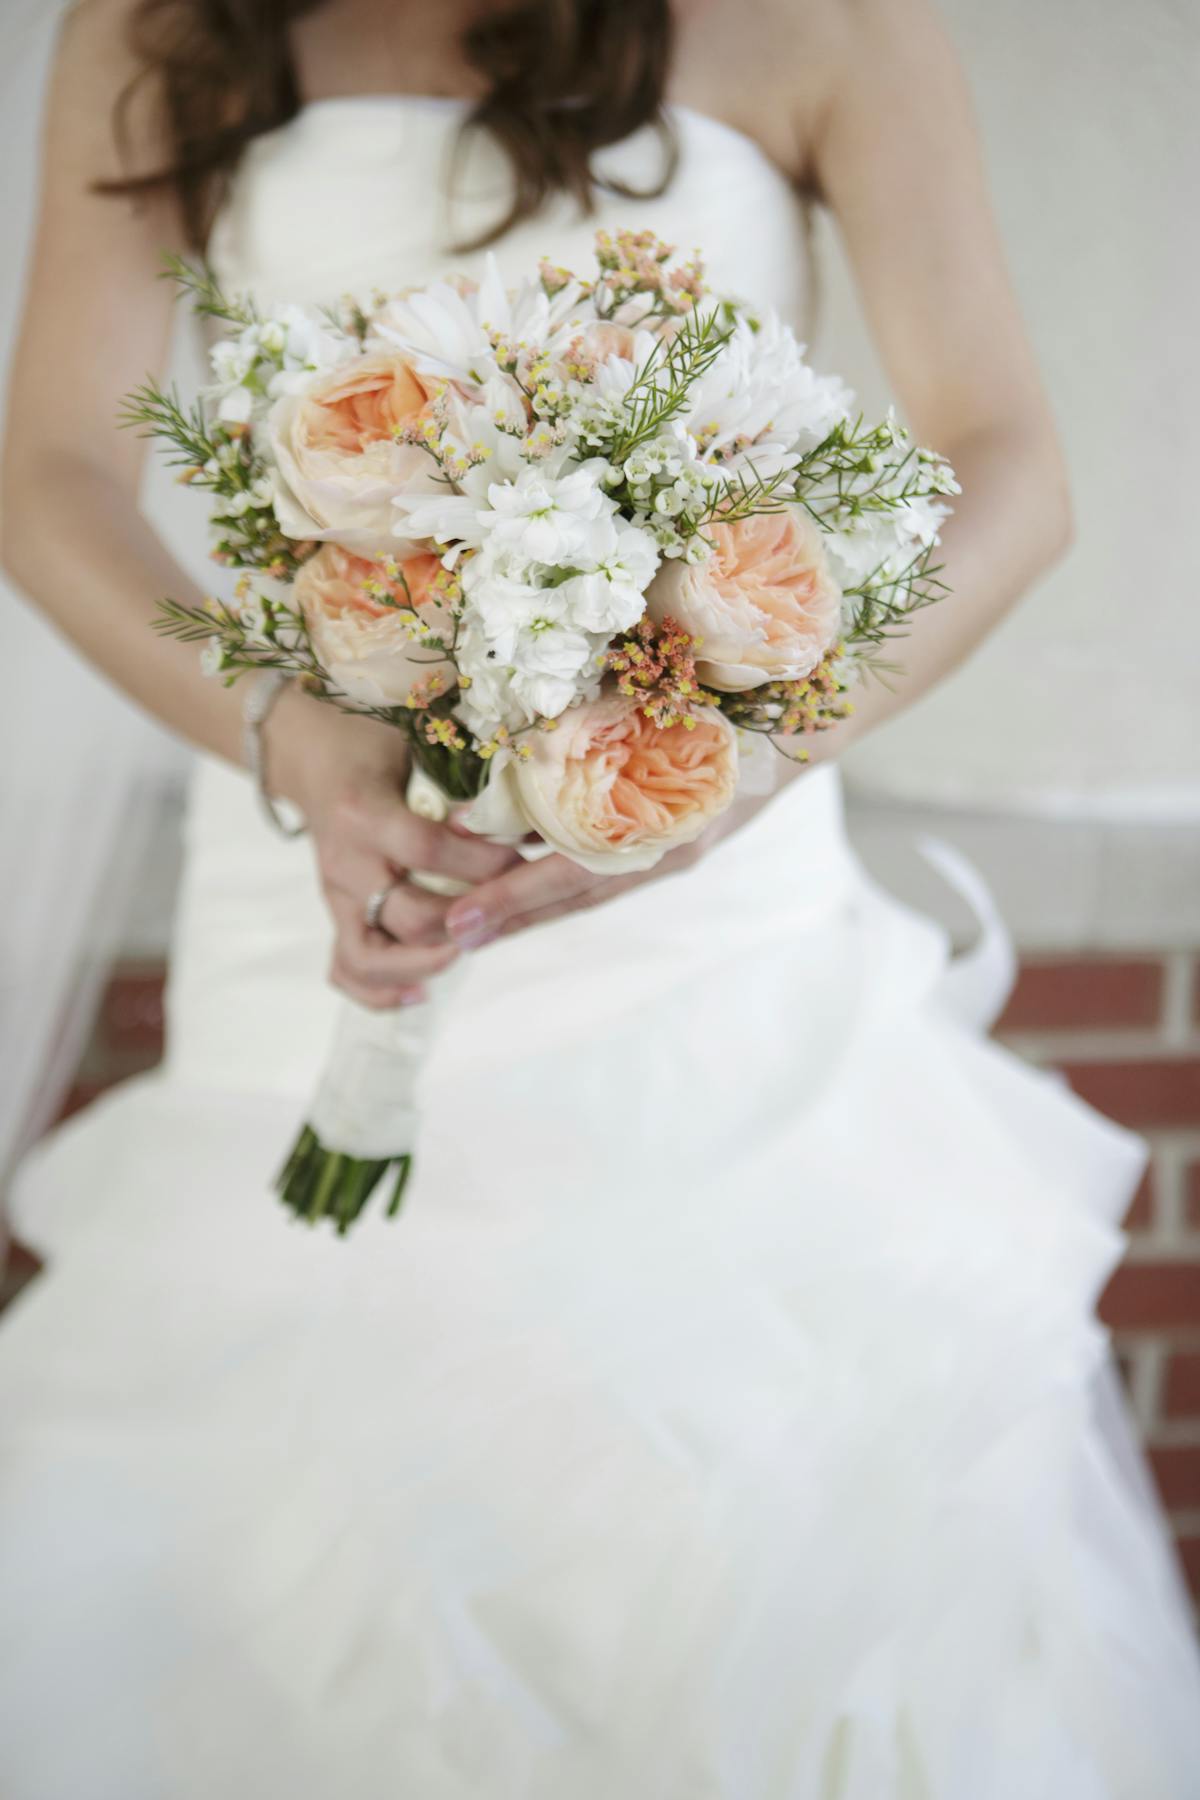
(725, 1415)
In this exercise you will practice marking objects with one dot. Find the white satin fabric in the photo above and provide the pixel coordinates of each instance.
(719, 1419)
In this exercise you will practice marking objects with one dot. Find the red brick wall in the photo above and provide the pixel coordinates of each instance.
(1126, 1032)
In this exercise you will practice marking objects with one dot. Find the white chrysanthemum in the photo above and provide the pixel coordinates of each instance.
(871, 553)
(447, 329)
(759, 400)
(622, 355)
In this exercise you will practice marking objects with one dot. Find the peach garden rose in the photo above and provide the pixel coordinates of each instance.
(360, 619)
(764, 605)
(337, 455)
(612, 790)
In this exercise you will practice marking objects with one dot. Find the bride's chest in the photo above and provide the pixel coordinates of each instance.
(378, 192)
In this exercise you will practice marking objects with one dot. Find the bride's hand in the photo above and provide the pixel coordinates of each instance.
(536, 892)
(348, 777)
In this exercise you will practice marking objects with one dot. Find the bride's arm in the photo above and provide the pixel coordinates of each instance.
(96, 321)
(898, 161)
(894, 151)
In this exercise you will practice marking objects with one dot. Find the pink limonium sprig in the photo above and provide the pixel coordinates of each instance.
(655, 664)
(785, 710)
(637, 264)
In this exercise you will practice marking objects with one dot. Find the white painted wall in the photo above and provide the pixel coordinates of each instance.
(1086, 700)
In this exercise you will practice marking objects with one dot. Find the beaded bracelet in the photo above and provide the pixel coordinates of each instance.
(261, 695)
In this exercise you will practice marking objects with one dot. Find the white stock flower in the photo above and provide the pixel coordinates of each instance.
(548, 665)
(273, 357)
(549, 519)
(554, 574)
(610, 595)
(232, 358)
(506, 604)
(483, 432)
(442, 517)
(882, 545)
(236, 406)
(304, 342)
(919, 519)
(487, 701)
(524, 630)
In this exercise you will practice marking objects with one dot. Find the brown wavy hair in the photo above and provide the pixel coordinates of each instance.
(564, 79)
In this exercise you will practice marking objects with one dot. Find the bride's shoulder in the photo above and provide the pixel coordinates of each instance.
(101, 92)
(107, 27)
(766, 67)
(779, 70)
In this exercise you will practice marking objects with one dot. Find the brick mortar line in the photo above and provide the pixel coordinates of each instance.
(1167, 1176)
(1179, 975)
(1104, 1044)
(1172, 1152)
(1157, 1247)
(1176, 1434)
(1179, 1140)
(1145, 1362)
(1185, 1340)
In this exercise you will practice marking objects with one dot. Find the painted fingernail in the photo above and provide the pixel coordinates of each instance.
(470, 928)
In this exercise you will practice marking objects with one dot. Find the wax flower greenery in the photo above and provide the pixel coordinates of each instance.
(592, 545)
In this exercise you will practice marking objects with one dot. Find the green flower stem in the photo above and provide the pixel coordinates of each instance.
(317, 1183)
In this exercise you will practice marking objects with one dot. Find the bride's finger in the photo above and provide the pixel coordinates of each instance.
(538, 892)
(408, 914)
(398, 836)
(489, 909)
(369, 955)
(356, 973)
(579, 902)
(413, 916)
(379, 999)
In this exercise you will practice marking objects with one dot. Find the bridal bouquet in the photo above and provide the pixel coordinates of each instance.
(585, 543)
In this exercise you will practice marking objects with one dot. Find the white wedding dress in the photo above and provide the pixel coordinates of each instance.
(724, 1417)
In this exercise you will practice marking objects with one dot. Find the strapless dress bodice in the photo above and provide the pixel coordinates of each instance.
(374, 191)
